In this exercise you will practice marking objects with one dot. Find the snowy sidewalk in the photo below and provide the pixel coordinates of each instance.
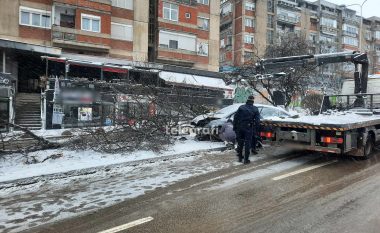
(13, 168)
(44, 202)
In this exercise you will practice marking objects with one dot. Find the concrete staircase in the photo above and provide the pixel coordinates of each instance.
(28, 110)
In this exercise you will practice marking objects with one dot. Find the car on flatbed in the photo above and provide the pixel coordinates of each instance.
(214, 121)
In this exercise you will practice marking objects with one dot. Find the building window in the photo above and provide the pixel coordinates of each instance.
(350, 30)
(126, 4)
(350, 41)
(204, 2)
(170, 11)
(90, 23)
(270, 21)
(270, 6)
(329, 22)
(248, 56)
(188, 15)
(229, 40)
(249, 39)
(173, 44)
(204, 23)
(377, 35)
(288, 16)
(250, 6)
(249, 23)
(35, 18)
(313, 37)
(202, 49)
(222, 44)
(222, 57)
(226, 9)
(121, 31)
(270, 37)
(175, 40)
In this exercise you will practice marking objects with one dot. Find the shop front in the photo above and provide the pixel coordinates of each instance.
(75, 105)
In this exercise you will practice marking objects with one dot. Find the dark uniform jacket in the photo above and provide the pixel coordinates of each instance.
(247, 116)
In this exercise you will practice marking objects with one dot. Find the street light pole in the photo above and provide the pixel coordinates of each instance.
(361, 22)
(361, 25)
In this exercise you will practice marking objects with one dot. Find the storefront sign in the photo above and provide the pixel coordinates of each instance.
(5, 80)
(85, 114)
(77, 97)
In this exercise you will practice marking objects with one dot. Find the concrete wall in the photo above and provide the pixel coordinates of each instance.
(8, 21)
(214, 35)
(261, 26)
(140, 30)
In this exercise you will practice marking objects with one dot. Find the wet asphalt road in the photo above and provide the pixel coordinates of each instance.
(293, 193)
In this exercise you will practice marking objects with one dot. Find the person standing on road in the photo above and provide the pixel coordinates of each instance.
(246, 119)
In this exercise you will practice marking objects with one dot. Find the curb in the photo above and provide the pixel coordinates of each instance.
(93, 170)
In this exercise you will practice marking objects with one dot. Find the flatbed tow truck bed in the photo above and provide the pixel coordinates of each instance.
(326, 122)
(339, 133)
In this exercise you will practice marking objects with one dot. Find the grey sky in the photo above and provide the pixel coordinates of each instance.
(370, 8)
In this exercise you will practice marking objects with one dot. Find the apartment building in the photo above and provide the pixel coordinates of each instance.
(31, 28)
(242, 31)
(328, 26)
(373, 42)
(108, 28)
(185, 33)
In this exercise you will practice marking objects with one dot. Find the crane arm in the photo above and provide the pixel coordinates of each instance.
(361, 78)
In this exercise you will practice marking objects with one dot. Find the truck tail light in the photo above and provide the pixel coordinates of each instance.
(332, 140)
(267, 134)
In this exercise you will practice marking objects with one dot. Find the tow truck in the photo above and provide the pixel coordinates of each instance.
(346, 124)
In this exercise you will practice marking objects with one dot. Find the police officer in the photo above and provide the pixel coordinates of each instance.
(246, 119)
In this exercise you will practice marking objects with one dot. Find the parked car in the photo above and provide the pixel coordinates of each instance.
(213, 121)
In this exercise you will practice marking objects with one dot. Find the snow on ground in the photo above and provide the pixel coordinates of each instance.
(52, 200)
(334, 118)
(13, 166)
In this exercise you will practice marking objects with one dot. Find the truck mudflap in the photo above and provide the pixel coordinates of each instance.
(298, 146)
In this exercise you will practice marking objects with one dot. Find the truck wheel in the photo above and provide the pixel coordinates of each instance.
(369, 146)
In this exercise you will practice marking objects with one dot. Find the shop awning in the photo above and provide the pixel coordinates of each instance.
(10, 44)
(96, 64)
(193, 80)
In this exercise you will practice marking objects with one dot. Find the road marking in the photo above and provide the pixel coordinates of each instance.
(128, 225)
(303, 170)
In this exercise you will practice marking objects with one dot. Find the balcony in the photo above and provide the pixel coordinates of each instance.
(75, 39)
(187, 2)
(287, 3)
(287, 19)
(351, 21)
(314, 15)
(329, 14)
(329, 30)
(348, 33)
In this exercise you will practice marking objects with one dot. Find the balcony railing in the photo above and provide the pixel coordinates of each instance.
(348, 33)
(287, 3)
(329, 30)
(352, 21)
(287, 19)
(60, 35)
(68, 37)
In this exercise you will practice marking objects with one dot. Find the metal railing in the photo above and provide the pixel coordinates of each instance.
(288, 19)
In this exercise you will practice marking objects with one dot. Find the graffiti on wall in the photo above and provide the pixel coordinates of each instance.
(242, 93)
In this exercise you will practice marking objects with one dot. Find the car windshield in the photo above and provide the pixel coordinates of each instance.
(266, 112)
(228, 110)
